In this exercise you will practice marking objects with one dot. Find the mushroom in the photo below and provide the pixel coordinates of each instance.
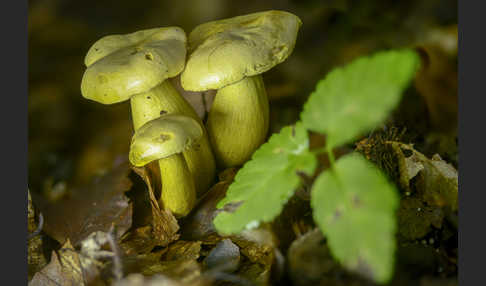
(230, 55)
(136, 66)
(164, 139)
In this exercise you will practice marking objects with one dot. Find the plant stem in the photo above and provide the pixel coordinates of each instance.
(330, 154)
(319, 150)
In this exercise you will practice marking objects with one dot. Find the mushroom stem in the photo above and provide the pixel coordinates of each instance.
(178, 190)
(238, 121)
(164, 99)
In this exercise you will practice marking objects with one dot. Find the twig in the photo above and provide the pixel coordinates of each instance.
(39, 227)
(117, 266)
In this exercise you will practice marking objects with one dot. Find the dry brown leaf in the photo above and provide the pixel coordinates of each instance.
(415, 218)
(409, 166)
(65, 268)
(31, 224)
(437, 180)
(179, 260)
(36, 259)
(94, 207)
(258, 246)
(183, 250)
(164, 224)
(440, 183)
(137, 279)
(138, 241)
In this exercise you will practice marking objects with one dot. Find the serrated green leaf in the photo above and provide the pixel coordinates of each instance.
(267, 181)
(354, 206)
(354, 99)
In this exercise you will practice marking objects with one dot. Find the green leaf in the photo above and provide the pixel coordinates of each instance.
(354, 99)
(354, 206)
(267, 181)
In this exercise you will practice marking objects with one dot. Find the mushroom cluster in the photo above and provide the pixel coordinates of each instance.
(226, 55)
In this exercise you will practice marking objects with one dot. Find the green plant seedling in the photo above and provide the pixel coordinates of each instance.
(353, 202)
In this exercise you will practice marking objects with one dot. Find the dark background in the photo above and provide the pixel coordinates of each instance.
(72, 139)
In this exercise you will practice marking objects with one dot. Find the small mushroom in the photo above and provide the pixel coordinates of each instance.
(164, 139)
(230, 55)
(136, 66)
(120, 66)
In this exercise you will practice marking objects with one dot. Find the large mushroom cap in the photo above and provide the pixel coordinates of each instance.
(224, 52)
(162, 137)
(120, 66)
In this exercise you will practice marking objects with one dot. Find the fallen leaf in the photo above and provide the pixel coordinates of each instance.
(183, 250)
(36, 259)
(65, 268)
(258, 246)
(94, 207)
(409, 165)
(440, 182)
(437, 181)
(164, 224)
(138, 241)
(93, 254)
(415, 218)
(177, 260)
(137, 279)
(31, 224)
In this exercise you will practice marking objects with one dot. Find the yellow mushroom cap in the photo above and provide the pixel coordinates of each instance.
(225, 51)
(119, 66)
(162, 137)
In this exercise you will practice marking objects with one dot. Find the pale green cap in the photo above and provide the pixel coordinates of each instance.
(120, 66)
(225, 51)
(162, 137)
